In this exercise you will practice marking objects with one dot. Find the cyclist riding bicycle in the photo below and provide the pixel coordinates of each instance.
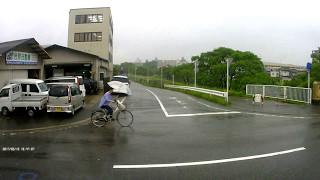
(106, 100)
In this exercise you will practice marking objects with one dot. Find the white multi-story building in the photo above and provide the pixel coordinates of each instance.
(91, 31)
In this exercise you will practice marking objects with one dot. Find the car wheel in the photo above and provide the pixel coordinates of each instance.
(5, 111)
(30, 112)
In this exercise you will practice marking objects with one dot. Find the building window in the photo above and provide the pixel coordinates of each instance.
(88, 37)
(89, 18)
(76, 37)
(101, 76)
(81, 37)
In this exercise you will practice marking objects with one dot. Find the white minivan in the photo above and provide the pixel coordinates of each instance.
(31, 87)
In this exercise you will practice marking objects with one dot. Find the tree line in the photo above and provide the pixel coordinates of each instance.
(246, 68)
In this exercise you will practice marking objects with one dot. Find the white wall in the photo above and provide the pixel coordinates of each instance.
(11, 74)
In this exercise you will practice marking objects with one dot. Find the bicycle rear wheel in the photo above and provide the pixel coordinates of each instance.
(125, 118)
(97, 118)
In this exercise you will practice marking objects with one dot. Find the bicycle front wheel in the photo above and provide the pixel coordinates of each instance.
(125, 118)
(97, 118)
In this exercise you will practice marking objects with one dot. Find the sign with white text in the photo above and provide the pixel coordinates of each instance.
(22, 58)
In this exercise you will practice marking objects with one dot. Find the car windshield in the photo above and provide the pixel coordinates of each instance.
(43, 87)
(121, 79)
(59, 91)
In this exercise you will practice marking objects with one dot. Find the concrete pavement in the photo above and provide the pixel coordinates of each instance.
(271, 107)
(87, 152)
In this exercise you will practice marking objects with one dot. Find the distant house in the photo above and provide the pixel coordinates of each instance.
(283, 71)
(275, 74)
(166, 63)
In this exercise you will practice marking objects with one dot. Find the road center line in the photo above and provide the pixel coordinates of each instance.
(208, 162)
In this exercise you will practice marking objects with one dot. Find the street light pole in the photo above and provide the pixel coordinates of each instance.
(148, 75)
(229, 61)
(195, 73)
(227, 80)
(161, 75)
(172, 79)
(135, 73)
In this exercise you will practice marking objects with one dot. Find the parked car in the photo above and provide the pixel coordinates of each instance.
(90, 85)
(124, 79)
(70, 79)
(31, 87)
(11, 99)
(64, 97)
(119, 87)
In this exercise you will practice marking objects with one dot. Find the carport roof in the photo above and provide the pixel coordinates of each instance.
(9, 45)
(47, 47)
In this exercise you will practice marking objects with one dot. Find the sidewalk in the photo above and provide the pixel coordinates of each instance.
(271, 107)
(92, 99)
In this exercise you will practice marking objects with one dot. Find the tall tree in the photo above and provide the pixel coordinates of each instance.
(184, 73)
(116, 69)
(128, 67)
(245, 68)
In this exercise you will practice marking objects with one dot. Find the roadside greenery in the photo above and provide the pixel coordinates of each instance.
(246, 68)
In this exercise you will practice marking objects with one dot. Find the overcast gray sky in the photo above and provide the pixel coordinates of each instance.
(276, 30)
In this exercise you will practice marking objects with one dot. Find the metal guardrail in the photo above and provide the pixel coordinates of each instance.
(202, 90)
(281, 92)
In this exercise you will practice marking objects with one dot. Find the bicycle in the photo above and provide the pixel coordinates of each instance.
(124, 117)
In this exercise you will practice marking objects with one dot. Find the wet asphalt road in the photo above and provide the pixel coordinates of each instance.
(186, 134)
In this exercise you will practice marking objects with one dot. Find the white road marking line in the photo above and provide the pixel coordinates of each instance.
(184, 115)
(161, 105)
(208, 105)
(202, 114)
(216, 113)
(258, 114)
(208, 162)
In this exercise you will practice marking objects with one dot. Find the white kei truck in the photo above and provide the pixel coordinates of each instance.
(11, 99)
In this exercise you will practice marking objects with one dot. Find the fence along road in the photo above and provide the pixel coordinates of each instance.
(298, 94)
(202, 90)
